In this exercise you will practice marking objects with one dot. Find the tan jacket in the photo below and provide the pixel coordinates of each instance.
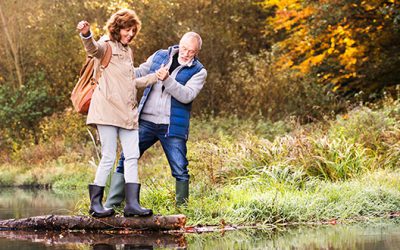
(114, 101)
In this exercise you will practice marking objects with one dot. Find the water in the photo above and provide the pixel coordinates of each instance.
(20, 203)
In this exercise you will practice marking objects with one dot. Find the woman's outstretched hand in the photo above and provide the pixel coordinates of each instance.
(84, 28)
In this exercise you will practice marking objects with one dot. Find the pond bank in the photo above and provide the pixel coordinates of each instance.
(249, 201)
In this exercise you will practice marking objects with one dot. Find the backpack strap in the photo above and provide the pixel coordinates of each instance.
(105, 60)
(107, 56)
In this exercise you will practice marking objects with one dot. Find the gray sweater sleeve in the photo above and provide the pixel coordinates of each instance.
(186, 93)
(144, 68)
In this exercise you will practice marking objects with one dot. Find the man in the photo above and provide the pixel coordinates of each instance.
(164, 111)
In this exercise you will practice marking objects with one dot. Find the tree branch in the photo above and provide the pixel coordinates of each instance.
(14, 50)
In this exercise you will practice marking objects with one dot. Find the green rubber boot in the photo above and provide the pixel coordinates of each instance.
(182, 193)
(117, 191)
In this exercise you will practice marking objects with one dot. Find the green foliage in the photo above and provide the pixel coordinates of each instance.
(73, 180)
(268, 203)
(58, 174)
(256, 89)
(68, 126)
(220, 148)
(22, 109)
(8, 174)
(224, 150)
(364, 126)
(62, 136)
(336, 159)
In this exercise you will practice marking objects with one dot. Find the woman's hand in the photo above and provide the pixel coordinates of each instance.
(162, 73)
(84, 28)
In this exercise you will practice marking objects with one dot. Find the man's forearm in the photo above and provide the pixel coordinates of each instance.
(186, 93)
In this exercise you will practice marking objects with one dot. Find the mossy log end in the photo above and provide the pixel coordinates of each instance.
(64, 222)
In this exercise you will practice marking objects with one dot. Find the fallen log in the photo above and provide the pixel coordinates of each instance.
(87, 223)
(150, 239)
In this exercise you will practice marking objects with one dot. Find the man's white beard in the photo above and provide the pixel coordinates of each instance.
(182, 62)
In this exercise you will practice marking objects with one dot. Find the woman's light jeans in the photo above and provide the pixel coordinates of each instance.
(130, 145)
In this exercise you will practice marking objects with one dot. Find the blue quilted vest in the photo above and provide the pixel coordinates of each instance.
(180, 112)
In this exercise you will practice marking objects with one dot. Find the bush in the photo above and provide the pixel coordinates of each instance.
(22, 109)
(68, 126)
(363, 126)
(255, 88)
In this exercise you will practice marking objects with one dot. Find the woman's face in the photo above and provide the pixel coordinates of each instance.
(127, 35)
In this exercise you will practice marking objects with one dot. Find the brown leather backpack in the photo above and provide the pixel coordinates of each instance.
(82, 93)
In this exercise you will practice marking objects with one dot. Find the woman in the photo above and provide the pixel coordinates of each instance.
(113, 109)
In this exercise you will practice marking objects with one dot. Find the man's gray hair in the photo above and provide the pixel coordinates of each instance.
(191, 34)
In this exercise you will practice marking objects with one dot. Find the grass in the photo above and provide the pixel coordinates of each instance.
(247, 171)
(55, 174)
(263, 202)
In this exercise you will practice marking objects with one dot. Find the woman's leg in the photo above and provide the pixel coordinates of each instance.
(130, 146)
(108, 139)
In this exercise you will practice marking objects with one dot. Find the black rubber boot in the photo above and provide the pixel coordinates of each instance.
(132, 203)
(117, 191)
(182, 193)
(96, 208)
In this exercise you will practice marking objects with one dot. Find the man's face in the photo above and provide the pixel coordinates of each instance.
(188, 49)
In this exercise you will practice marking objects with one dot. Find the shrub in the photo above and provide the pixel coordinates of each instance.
(363, 126)
(22, 109)
(255, 88)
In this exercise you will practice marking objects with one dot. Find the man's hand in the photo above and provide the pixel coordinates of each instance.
(162, 73)
(84, 28)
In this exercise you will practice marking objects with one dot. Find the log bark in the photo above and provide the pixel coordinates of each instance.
(143, 239)
(64, 222)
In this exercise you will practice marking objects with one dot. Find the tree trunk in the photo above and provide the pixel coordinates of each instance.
(14, 50)
(148, 239)
(63, 222)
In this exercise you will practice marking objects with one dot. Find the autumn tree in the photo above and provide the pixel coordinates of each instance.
(349, 45)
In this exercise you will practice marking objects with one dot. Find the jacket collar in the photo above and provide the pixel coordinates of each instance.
(106, 38)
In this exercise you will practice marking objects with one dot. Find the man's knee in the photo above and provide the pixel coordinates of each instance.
(179, 167)
(181, 175)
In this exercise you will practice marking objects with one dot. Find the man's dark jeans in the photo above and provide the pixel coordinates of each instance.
(174, 148)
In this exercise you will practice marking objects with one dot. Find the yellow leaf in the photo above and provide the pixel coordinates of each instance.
(317, 59)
